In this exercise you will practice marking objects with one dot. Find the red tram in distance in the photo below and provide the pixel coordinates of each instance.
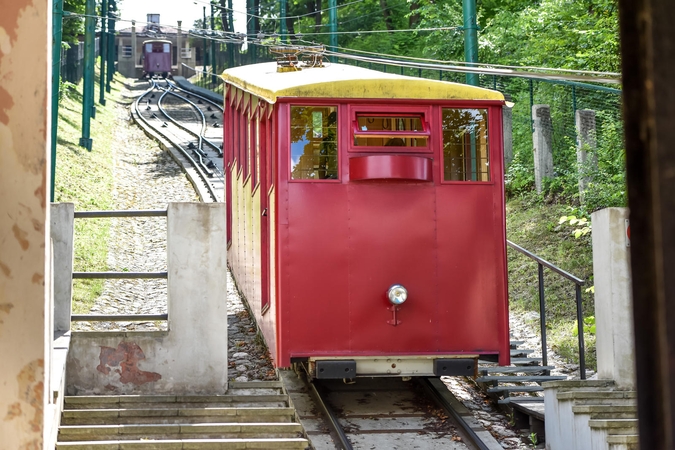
(366, 219)
(156, 58)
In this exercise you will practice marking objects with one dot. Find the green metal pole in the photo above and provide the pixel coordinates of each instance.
(283, 31)
(57, 34)
(332, 19)
(213, 48)
(230, 23)
(470, 38)
(112, 7)
(103, 51)
(88, 89)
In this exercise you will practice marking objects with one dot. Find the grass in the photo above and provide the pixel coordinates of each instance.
(85, 178)
(533, 224)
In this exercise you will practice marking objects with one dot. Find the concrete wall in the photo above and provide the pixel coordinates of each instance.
(615, 344)
(191, 358)
(26, 414)
(542, 140)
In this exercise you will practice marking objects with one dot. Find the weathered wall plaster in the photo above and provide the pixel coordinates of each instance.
(191, 358)
(25, 42)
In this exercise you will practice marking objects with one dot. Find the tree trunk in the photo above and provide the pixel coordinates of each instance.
(317, 14)
(386, 14)
(414, 18)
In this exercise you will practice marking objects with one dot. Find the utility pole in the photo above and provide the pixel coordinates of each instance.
(230, 45)
(213, 46)
(57, 34)
(103, 50)
(283, 31)
(332, 19)
(470, 38)
(88, 89)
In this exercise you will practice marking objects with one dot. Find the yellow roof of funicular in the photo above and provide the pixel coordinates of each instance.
(344, 81)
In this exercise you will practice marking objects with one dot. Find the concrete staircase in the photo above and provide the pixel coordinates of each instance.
(251, 415)
(591, 415)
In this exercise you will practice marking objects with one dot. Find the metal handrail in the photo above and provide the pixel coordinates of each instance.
(578, 282)
(119, 275)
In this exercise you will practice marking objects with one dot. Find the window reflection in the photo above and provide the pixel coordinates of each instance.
(402, 129)
(465, 145)
(314, 143)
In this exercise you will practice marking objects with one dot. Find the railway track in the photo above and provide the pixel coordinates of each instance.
(192, 126)
(375, 413)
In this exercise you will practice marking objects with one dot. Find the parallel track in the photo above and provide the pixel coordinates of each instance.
(391, 413)
(184, 123)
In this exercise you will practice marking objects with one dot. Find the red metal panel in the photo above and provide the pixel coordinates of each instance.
(471, 282)
(400, 167)
(392, 241)
(315, 263)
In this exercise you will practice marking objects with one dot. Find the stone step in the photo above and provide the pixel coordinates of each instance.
(176, 431)
(525, 361)
(511, 369)
(607, 411)
(509, 389)
(176, 415)
(599, 396)
(187, 444)
(515, 344)
(520, 399)
(521, 351)
(623, 442)
(130, 401)
(615, 426)
(518, 379)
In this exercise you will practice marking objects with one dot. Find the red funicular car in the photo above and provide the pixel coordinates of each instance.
(366, 218)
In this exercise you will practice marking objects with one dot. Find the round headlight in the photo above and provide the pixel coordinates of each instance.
(397, 294)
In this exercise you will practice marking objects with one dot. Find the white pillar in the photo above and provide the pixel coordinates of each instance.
(542, 141)
(62, 231)
(613, 302)
(586, 141)
(179, 65)
(197, 288)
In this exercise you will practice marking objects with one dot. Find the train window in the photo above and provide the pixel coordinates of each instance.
(465, 145)
(148, 48)
(380, 130)
(314, 150)
(166, 48)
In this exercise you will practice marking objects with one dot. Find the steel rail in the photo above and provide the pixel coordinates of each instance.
(431, 385)
(118, 317)
(206, 99)
(200, 146)
(330, 415)
(174, 86)
(186, 154)
(203, 136)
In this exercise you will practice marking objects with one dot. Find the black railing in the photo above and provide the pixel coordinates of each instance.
(119, 275)
(578, 282)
